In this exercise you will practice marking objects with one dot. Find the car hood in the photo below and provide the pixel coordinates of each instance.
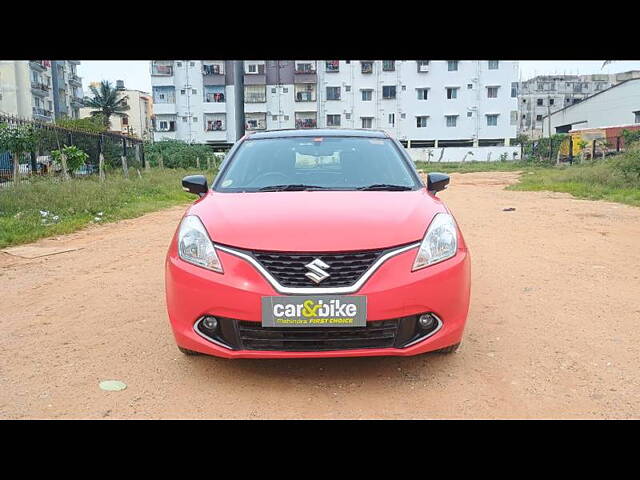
(316, 221)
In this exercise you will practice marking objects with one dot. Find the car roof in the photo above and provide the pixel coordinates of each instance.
(319, 132)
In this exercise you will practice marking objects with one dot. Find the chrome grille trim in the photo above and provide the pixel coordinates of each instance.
(318, 290)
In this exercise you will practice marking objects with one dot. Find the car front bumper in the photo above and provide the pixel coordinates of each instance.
(392, 292)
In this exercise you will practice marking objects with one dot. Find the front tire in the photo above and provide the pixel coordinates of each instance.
(188, 352)
(449, 349)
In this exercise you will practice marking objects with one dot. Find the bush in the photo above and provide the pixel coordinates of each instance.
(75, 157)
(629, 163)
(177, 154)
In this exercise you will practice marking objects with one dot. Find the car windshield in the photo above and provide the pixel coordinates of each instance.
(317, 163)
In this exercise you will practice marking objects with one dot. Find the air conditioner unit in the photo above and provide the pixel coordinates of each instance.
(423, 68)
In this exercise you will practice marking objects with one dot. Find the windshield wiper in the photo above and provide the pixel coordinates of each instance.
(385, 186)
(291, 187)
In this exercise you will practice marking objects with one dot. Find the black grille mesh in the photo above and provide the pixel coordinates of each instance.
(381, 334)
(344, 268)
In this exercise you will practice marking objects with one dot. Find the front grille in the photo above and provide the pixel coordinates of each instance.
(381, 334)
(344, 268)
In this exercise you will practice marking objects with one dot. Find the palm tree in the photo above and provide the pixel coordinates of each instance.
(106, 102)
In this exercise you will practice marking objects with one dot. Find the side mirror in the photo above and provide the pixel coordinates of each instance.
(196, 184)
(437, 182)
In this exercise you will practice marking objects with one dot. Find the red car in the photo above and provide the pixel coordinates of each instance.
(317, 243)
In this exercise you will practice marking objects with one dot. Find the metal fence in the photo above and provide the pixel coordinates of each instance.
(51, 137)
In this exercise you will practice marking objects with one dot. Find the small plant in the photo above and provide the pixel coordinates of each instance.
(17, 139)
(75, 157)
(504, 157)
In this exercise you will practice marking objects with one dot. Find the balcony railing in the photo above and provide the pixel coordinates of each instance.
(41, 112)
(255, 98)
(214, 126)
(164, 70)
(332, 65)
(305, 96)
(306, 123)
(39, 64)
(305, 68)
(213, 70)
(40, 86)
(74, 78)
(214, 98)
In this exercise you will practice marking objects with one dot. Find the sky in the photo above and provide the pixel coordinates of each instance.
(136, 73)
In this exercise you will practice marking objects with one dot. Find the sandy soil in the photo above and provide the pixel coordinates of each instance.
(552, 333)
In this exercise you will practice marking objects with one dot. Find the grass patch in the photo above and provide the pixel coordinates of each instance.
(470, 167)
(599, 180)
(79, 202)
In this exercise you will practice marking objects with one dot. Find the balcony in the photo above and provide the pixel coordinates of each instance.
(255, 121)
(423, 66)
(213, 75)
(306, 123)
(332, 66)
(305, 76)
(75, 79)
(39, 65)
(305, 96)
(366, 67)
(42, 113)
(215, 125)
(161, 70)
(39, 88)
(214, 97)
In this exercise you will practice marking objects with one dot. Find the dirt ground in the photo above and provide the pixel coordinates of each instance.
(552, 332)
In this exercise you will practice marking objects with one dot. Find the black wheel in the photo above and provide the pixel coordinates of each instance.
(449, 349)
(188, 352)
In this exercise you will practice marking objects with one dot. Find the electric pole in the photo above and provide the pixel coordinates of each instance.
(238, 83)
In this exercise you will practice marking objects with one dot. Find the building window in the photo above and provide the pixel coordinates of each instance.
(637, 116)
(366, 67)
(274, 118)
(333, 93)
(540, 102)
(423, 93)
(469, 114)
(184, 119)
(452, 92)
(255, 93)
(493, 64)
(347, 88)
(195, 119)
(347, 116)
(366, 95)
(194, 91)
(192, 64)
(286, 117)
(179, 64)
(421, 122)
(492, 120)
(388, 65)
(469, 86)
(285, 90)
(367, 122)
(392, 119)
(538, 118)
(183, 92)
(333, 120)
(452, 65)
(389, 92)
(514, 117)
(452, 120)
(551, 101)
(332, 65)
(423, 65)
(125, 120)
(252, 68)
(274, 90)
(492, 92)
(514, 90)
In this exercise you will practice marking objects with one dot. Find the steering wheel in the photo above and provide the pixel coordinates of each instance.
(267, 175)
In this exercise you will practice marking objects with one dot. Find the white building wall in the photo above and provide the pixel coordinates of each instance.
(351, 108)
(616, 106)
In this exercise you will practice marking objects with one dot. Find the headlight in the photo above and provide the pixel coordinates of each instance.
(439, 243)
(194, 245)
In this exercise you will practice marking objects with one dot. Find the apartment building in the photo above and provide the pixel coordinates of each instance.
(546, 94)
(40, 90)
(423, 103)
(137, 121)
(67, 88)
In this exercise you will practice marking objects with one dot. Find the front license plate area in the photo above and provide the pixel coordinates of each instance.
(314, 311)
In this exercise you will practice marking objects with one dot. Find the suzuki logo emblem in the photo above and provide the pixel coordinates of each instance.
(317, 274)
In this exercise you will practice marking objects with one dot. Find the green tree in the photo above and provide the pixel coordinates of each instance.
(94, 124)
(105, 102)
(17, 139)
